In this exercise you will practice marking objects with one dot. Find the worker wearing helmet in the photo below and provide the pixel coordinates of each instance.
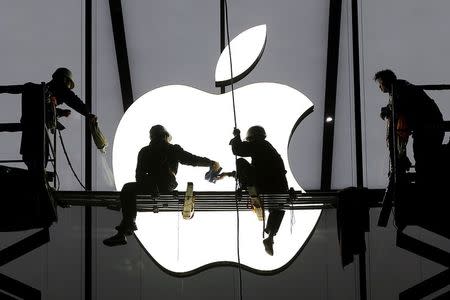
(156, 169)
(266, 173)
(417, 115)
(56, 92)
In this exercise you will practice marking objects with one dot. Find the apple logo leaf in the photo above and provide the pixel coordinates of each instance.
(246, 51)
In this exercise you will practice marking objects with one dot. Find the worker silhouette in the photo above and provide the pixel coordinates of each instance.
(417, 115)
(56, 92)
(156, 169)
(266, 173)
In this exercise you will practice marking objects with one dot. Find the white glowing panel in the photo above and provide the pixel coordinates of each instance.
(245, 51)
(202, 124)
(181, 246)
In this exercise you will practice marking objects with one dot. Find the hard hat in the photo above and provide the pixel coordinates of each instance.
(158, 131)
(256, 133)
(64, 73)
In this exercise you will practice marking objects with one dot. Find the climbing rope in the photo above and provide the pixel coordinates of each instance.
(235, 126)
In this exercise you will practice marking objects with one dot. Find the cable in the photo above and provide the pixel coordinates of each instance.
(235, 126)
(57, 182)
(237, 243)
(231, 62)
(53, 162)
(68, 161)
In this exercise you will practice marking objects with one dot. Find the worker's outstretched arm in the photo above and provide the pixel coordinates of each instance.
(187, 158)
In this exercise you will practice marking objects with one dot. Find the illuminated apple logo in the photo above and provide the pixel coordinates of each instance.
(202, 124)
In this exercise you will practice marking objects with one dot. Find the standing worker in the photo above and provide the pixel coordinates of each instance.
(417, 114)
(56, 92)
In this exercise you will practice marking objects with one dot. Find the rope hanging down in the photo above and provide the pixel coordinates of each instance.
(68, 161)
(231, 63)
(235, 126)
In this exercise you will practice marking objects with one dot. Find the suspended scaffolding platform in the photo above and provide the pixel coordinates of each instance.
(212, 201)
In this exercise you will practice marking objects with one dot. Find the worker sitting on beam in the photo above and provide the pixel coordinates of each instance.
(265, 174)
(155, 173)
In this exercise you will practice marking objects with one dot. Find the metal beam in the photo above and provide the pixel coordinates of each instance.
(12, 286)
(212, 201)
(436, 87)
(24, 246)
(17, 289)
(444, 296)
(437, 255)
(120, 45)
(357, 94)
(88, 152)
(358, 136)
(423, 249)
(6, 297)
(427, 287)
(11, 127)
(334, 29)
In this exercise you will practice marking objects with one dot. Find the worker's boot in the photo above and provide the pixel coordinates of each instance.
(189, 202)
(126, 227)
(256, 202)
(116, 240)
(268, 245)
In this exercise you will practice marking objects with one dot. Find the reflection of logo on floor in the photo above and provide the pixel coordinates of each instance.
(203, 123)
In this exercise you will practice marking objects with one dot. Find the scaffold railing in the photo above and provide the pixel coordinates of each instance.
(212, 200)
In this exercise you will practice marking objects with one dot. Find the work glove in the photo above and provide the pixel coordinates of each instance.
(92, 118)
(237, 135)
(385, 112)
(236, 132)
(213, 173)
(215, 166)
